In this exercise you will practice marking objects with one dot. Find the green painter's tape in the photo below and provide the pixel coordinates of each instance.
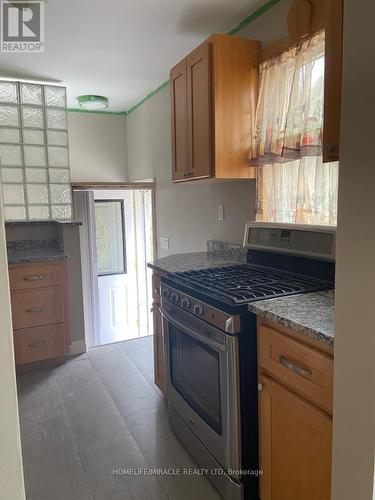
(97, 112)
(233, 31)
(250, 18)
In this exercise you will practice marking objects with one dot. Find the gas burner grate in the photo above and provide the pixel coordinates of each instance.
(247, 283)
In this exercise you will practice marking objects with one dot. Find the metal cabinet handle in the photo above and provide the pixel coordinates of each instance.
(37, 277)
(37, 309)
(305, 372)
(41, 343)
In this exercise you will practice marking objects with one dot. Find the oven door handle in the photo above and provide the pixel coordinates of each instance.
(192, 333)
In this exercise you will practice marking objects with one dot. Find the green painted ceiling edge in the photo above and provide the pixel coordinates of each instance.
(233, 31)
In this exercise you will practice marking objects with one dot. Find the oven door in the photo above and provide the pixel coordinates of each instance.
(202, 382)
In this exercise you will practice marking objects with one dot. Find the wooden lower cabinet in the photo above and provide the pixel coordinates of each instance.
(295, 446)
(295, 415)
(159, 375)
(40, 313)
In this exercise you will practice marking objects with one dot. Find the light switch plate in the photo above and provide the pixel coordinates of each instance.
(220, 212)
(164, 243)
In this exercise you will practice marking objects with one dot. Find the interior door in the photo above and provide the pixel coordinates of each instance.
(199, 111)
(112, 272)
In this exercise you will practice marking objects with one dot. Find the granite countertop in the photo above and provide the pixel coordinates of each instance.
(195, 261)
(311, 314)
(42, 255)
(22, 251)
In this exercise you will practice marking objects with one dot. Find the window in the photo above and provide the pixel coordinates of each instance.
(294, 185)
(110, 242)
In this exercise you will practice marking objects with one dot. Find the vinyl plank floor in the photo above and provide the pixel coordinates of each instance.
(97, 414)
(130, 391)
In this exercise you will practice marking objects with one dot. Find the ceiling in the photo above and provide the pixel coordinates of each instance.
(122, 49)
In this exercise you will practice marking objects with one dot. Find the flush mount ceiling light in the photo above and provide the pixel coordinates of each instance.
(92, 102)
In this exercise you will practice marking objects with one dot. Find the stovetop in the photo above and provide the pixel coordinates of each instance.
(243, 283)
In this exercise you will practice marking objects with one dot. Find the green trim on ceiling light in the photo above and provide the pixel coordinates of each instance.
(250, 18)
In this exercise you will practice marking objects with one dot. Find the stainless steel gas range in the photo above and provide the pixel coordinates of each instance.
(211, 348)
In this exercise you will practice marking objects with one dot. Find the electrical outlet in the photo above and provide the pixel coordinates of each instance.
(220, 212)
(164, 243)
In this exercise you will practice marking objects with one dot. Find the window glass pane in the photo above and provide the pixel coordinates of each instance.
(59, 175)
(8, 92)
(10, 155)
(110, 237)
(57, 137)
(37, 193)
(11, 175)
(13, 194)
(60, 193)
(35, 156)
(61, 211)
(9, 135)
(36, 175)
(56, 118)
(15, 213)
(9, 116)
(31, 94)
(33, 136)
(55, 96)
(38, 212)
(32, 117)
(58, 157)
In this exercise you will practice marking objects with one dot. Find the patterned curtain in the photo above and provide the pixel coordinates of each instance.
(294, 185)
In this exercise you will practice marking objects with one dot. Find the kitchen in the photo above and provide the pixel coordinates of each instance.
(187, 216)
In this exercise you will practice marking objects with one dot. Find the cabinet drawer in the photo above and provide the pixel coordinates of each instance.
(300, 367)
(36, 344)
(35, 308)
(31, 276)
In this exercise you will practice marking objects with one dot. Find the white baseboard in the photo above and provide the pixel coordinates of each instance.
(77, 347)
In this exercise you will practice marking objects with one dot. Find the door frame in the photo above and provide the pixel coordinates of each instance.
(126, 186)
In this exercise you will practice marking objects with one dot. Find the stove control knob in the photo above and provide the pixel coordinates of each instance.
(166, 293)
(198, 310)
(175, 298)
(186, 304)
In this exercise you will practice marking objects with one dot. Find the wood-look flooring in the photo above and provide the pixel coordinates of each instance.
(96, 413)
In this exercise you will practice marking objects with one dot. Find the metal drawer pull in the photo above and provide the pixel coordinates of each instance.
(305, 372)
(37, 309)
(35, 278)
(41, 343)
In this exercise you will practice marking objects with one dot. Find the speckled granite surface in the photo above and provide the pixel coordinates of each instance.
(311, 314)
(21, 251)
(194, 261)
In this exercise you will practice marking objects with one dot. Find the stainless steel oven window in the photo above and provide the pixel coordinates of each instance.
(195, 374)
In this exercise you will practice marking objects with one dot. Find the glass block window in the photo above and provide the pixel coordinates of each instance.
(34, 156)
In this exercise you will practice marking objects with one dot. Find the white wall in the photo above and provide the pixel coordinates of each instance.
(11, 474)
(354, 396)
(97, 147)
(187, 212)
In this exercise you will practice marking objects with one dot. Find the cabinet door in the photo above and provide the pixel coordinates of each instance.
(179, 121)
(295, 446)
(199, 102)
(332, 80)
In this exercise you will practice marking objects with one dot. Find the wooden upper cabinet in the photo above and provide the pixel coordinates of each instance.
(179, 120)
(221, 90)
(332, 80)
(199, 112)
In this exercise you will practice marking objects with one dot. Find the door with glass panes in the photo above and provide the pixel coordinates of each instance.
(111, 268)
